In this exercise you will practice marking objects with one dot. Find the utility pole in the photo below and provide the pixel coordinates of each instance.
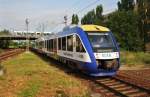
(27, 36)
(65, 20)
(43, 29)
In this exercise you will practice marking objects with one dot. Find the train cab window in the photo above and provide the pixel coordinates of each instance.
(64, 43)
(59, 43)
(79, 46)
(70, 43)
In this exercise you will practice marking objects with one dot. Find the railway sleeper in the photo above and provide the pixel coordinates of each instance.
(108, 81)
(104, 80)
(123, 88)
(130, 91)
(118, 86)
(139, 94)
(113, 84)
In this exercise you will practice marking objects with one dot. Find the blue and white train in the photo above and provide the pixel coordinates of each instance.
(89, 48)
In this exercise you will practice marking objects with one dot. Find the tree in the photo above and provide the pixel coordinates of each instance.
(124, 25)
(4, 32)
(4, 43)
(144, 25)
(89, 18)
(75, 19)
(94, 16)
(99, 17)
(126, 5)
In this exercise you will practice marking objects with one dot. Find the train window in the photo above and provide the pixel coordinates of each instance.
(54, 45)
(51, 45)
(64, 43)
(70, 43)
(45, 44)
(48, 45)
(79, 46)
(59, 43)
(42, 44)
(37, 46)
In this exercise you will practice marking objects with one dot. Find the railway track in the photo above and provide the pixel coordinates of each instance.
(7, 54)
(114, 87)
(137, 77)
(110, 86)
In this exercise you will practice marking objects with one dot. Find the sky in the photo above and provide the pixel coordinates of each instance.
(47, 13)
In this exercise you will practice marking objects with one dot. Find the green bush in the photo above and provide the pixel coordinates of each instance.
(135, 58)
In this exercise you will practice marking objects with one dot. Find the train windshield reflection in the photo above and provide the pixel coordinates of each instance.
(101, 42)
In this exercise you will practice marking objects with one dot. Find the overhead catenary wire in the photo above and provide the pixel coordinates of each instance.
(85, 7)
(108, 10)
(75, 4)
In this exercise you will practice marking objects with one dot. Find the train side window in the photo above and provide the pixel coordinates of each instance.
(59, 43)
(48, 45)
(79, 46)
(64, 43)
(36, 44)
(41, 44)
(45, 44)
(70, 43)
(54, 45)
(51, 45)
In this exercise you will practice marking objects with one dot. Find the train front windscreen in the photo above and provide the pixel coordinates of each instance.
(101, 42)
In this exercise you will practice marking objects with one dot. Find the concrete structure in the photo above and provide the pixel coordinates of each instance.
(12, 37)
(30, 33)
(23, 35)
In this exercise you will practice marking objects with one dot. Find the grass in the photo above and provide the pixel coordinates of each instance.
(135, 58)
(29, 76)
(31, 89)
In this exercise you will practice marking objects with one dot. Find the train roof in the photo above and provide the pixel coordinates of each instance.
(77, 29)
(94, 28)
